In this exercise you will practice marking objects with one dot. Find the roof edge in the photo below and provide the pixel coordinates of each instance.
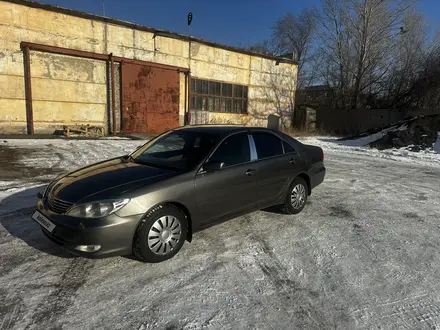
(165, 33)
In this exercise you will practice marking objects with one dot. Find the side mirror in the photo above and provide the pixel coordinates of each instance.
(212, 166)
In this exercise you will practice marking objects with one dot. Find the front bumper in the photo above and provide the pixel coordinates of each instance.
(114, 234)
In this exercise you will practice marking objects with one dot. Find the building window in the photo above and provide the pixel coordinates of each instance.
(218, 96)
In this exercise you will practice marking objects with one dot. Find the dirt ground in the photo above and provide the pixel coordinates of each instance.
(362, 255)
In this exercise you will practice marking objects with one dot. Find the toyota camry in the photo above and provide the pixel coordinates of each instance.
(148, 203)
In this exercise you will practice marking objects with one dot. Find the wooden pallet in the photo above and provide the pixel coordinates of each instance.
(85, 130)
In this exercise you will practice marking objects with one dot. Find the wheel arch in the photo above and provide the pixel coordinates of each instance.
(306, 178)
(178, 205)
(187, 214)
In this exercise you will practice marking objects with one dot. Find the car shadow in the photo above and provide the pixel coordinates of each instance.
(15, 217)
(274, 209)
(277, 209)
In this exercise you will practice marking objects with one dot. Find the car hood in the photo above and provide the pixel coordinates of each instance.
(108, 179)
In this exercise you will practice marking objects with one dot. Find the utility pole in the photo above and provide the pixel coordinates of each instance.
(103, 8)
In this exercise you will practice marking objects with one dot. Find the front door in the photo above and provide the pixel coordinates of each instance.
(228, 191)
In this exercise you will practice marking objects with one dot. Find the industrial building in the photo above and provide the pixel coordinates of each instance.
(62, 67)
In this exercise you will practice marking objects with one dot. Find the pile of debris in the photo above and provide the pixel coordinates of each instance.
(414, 134)
(418, 133)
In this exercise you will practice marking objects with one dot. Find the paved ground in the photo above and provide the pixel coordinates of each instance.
(362, 255)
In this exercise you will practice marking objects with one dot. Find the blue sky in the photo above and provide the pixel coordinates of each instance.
(232, 22)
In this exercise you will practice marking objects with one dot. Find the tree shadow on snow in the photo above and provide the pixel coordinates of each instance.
(15, 216)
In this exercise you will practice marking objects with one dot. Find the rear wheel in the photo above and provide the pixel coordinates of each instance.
(161, 234)
(296, 197)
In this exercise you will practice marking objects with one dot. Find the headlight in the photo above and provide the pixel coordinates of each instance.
(97, 209)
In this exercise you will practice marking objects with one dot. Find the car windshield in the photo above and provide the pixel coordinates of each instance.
(178, 150)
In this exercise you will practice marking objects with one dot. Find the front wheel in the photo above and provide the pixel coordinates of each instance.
(161, 234)
(296, 197)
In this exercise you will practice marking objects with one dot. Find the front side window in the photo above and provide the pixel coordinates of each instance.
(218, 96)
(178, 149)
(233, 151)
(267, 145)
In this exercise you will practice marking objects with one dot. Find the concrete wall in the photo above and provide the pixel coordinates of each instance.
(69, 90)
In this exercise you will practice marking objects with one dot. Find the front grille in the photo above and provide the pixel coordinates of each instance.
(57, 205)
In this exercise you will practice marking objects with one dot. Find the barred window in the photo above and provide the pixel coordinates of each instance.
(218, 96)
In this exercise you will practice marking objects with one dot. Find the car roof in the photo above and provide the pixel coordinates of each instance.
(220, 129)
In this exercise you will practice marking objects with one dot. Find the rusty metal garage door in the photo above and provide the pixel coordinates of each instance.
(150, 98)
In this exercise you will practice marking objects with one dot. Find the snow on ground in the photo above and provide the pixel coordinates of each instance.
(362, 255)
(367, 139)
(41, 160)
(359, 147)
(70, 154)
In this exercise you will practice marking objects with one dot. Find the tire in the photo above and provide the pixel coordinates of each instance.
(157, 237)
(296, 197)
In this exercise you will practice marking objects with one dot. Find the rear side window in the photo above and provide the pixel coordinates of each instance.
(287, 148)
(233, 151)
(267, 145)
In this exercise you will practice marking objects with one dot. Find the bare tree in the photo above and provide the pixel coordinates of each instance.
(358, 39)
(423, 87)
(372, 53)
(413, 81)
(293, 36)
(263, 47)
(410, 49)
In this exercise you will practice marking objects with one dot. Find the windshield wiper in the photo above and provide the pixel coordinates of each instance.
(128, 158)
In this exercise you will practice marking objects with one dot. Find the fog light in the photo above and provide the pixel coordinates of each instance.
(88, 248)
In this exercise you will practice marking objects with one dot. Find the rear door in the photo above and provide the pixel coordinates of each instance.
(277, 164)
(232, 189)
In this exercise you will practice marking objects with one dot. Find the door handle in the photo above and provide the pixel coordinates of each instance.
(292, 161)
(251, 172)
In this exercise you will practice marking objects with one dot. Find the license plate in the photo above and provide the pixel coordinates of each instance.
(43, 221)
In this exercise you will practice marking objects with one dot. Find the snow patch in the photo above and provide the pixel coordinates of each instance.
(366, 140)
(71, 154)
(429, 157)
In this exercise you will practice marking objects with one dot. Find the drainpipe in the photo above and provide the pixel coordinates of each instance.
(189, 98)
(189, 81)
(185, 112)
(28, 91)
(112, 69)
